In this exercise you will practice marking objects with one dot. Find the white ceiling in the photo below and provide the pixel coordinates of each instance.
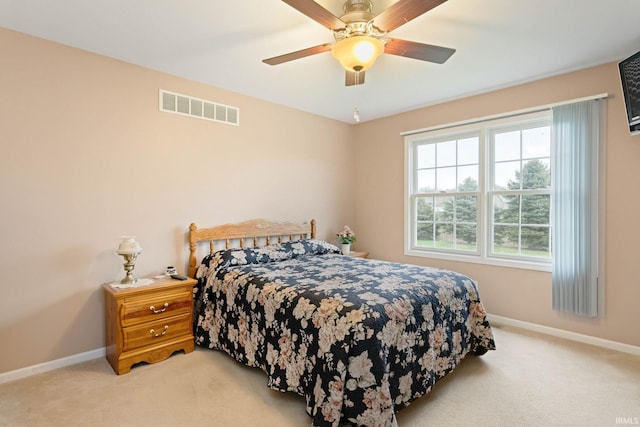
(498, 43)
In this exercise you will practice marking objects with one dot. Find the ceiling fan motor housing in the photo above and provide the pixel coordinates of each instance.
(357, 15)
(359, 10)
(359, 21)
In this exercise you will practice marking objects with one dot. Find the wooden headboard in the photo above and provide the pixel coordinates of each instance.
(249, 230)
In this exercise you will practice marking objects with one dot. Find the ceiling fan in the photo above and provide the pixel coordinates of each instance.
(361, 36)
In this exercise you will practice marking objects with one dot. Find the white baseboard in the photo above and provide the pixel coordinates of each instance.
(586, 339)
(50, 366)
(498, 320)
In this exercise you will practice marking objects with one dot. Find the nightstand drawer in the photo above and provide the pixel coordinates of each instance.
(156, 332)
(157, 306)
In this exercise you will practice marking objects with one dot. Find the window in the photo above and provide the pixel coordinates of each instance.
(446, 200)
(520, 191)
(481, 192)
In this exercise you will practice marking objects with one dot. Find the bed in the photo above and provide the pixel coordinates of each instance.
(358, 338)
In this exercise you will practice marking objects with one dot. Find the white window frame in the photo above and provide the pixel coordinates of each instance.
(436, 138)
(530, 122)
(484, 254)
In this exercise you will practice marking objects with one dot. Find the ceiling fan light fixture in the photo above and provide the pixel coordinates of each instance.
(357, 53)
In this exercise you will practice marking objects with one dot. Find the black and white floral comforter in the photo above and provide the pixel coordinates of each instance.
(359, 339)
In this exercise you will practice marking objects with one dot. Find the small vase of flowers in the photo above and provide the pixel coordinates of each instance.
(346, 237)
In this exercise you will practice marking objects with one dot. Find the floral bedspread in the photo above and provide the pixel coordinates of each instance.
(358, 338)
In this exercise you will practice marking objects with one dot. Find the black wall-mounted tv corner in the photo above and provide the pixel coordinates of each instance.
(630, 76)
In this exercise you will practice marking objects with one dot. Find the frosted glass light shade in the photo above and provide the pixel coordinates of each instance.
(357, 53)
(129, 246)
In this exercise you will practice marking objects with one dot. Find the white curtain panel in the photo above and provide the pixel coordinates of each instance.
(574, 201)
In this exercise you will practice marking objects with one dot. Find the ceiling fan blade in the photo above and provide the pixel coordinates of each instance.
(297, 54)
(316, 12)
(403, 11)
(354, 78)
(421, 51)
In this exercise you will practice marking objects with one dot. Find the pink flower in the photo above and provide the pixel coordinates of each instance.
(346, 235)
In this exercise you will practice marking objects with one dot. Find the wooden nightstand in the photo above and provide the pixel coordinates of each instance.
(148, 323)
(359, 254)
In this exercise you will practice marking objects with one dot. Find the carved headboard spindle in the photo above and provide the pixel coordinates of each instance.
(255, 229)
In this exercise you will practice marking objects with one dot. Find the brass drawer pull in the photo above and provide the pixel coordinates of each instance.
(162, 310)
(159, 334)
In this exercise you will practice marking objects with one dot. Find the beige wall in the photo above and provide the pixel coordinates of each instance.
(519, 294)
(87, 157)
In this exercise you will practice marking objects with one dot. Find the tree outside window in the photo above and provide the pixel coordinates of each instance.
(521, 212)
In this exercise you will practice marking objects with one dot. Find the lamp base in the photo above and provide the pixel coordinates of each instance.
(128, 268)
(128, 280)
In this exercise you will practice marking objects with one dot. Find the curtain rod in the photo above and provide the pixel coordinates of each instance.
(505, 115)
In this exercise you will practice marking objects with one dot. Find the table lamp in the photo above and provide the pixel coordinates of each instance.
(129, 248)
